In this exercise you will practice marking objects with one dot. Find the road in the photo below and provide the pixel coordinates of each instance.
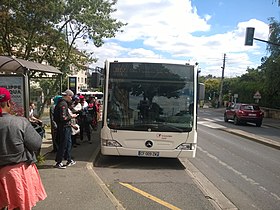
(214, 119)
(147, 183)
(245, 172)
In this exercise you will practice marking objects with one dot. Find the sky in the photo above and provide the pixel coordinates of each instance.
(192, 30)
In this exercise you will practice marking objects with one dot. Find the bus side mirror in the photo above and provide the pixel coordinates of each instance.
(201, 91)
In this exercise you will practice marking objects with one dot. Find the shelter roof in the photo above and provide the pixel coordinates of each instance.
(16, 65)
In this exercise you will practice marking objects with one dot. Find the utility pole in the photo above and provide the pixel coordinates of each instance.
(222, 81)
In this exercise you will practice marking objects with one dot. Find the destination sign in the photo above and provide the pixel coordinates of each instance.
(150, 71)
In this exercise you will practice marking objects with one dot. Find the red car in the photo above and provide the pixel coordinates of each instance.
(243, 113)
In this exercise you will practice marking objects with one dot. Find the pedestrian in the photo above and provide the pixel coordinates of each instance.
(63, 118)
(36, 122)
(32, 118)
(53, 123)
(75, 128)
(84, 121)
(92, 113)
(20, 183)
(76, 109)
(77, 105)
(98, 107)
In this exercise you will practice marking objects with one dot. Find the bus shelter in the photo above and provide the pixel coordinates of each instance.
(15, 74)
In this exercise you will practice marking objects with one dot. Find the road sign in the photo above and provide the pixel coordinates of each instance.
(257, 95)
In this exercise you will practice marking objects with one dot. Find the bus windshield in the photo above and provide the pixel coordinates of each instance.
(150, 97)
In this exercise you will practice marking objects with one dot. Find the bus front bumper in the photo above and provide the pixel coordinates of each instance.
(120, 151)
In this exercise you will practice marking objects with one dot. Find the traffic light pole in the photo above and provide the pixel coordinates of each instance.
(249, 37)
(222, 83)
(261, 40)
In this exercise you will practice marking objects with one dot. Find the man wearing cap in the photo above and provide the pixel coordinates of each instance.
(18, 143)
(63, 118)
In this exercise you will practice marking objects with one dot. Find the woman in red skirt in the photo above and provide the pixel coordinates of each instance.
(20, 182)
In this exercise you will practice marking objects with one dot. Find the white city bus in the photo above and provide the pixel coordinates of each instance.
(149, 108)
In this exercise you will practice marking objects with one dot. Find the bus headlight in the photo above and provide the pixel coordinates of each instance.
(110, 143)
(186, 146)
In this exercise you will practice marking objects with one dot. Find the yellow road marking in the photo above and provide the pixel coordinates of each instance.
(147, 195)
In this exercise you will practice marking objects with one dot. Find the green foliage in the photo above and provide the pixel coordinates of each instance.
(40, 160)
(274, 37)
(212, 87)
(48, 31)
(42, 30)
(271, 68)
(247, 85)
(271, 88)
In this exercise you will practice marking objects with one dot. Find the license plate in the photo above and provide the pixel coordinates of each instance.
(148, 154)
(252, 115)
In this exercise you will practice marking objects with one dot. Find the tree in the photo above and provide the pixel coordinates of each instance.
(271, 67)
(40, 30)
(247, 84)
(212, 87)
(275, 1)
(44, 30)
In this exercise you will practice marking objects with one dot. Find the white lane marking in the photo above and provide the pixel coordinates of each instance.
(210, 124)
(214, 119)
(210, 120)
(243, 176)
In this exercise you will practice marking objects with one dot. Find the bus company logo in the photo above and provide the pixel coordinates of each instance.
(162, 136)
(149, 144)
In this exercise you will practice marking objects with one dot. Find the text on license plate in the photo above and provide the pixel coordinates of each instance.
(252, 115)
(148, 154)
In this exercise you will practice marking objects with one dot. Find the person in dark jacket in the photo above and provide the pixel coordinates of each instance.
(84, 120)
(63, 118)
(53, 123)
(20, 183)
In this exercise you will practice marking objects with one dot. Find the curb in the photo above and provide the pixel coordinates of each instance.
(105, 189)
(272, 126)
(252, 137)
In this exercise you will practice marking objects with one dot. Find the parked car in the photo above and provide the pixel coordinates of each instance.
(243, 113)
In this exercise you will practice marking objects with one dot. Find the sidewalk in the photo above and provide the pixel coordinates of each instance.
(76, 187)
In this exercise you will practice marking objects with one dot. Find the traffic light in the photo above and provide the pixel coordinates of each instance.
(249, 36)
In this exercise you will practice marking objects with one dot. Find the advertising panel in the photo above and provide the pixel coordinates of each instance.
(15, 84)
(72, 84)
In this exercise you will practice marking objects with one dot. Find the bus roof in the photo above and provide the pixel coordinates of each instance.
(149, 60)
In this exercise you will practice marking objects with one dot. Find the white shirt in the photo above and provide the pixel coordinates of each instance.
(78, 107)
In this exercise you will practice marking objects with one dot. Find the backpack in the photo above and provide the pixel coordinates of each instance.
(56, 112)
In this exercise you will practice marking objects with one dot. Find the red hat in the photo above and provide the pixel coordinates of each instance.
(81, 97)
(4, 95)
